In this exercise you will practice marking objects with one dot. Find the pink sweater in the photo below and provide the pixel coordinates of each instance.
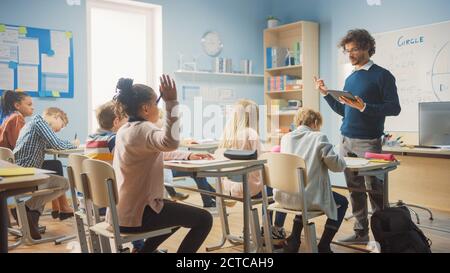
(138, 163)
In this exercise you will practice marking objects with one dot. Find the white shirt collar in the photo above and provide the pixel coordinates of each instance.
(366, 67)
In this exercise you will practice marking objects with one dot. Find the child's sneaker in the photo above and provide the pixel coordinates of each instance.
(179, 196)
(278, 234)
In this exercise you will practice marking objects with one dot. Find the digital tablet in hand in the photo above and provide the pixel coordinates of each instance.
(336, 94)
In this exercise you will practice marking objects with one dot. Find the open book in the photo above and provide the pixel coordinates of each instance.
(198, 162)
(351, 162)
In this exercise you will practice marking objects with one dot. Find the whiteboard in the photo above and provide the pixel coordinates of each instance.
(419, 59)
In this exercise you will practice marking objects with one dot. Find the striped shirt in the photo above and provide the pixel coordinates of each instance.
(100, 145)
(34, 138)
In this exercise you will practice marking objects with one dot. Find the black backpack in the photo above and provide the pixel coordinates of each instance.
(394, 230)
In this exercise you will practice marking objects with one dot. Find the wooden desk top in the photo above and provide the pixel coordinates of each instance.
(64, 152)
(22, 181)
(200, 146)
(213, 166)
(370, 166)
(423, 151)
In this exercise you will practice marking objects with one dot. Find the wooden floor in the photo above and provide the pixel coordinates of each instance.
(440, 239)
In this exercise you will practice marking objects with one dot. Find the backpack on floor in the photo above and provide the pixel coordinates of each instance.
(394, 230)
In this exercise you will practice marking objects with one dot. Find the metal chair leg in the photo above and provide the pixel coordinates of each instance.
(400, 203)
(423, 208)
(415, 213)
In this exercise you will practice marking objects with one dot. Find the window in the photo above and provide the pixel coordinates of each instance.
(124, 40)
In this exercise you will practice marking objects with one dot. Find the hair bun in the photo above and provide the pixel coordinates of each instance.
(125, 84)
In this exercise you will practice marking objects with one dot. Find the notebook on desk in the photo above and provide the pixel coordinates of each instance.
(352, 161)
(198, 162)
(17, 171)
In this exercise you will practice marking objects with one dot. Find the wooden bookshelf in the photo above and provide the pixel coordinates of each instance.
(307, 33)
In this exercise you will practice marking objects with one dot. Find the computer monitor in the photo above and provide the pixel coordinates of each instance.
(434, 123)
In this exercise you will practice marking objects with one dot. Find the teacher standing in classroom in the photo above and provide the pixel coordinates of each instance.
(363, 120)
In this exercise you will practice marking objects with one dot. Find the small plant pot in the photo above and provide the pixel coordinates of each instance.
(272, 23)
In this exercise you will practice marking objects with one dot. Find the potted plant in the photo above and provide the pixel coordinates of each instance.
(272, 21)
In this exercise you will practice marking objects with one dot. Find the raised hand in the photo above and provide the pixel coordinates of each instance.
(320, 85)
(167, 88)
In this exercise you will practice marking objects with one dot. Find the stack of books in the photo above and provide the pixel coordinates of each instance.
(284, 83)
(223, 65)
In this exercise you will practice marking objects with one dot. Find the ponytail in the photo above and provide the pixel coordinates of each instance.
(130, 97)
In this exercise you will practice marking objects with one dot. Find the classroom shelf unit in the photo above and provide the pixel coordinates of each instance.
(213, 74)
(304, 68)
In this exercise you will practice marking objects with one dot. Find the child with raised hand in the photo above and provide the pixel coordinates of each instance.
(16, 106)
(138, 162)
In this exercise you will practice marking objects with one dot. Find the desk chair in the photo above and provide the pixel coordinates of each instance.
(23, 232)
(99, 183)
(287, 173)
(83, 217)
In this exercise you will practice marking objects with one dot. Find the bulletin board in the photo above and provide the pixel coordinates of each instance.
(36, 61)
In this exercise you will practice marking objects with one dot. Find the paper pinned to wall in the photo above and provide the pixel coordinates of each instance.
(6, 77)
(10, 35)
(9, 40)
(8, 53)
(53, 83)
(28, 77)
(29, 51)
(60, 43)
(54, 64)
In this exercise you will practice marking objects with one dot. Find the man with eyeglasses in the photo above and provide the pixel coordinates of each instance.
(363, 120)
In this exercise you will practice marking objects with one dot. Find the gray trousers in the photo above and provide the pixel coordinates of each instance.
(59, 183)
(359, 199)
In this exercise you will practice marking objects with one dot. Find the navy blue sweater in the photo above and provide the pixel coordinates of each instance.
(376, 87)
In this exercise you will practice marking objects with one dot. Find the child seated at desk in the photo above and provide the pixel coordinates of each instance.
(140, 150)
(209, 201)
(37, 135)
(313, 146)
(100, 145)
(16, 106)
(241, 133)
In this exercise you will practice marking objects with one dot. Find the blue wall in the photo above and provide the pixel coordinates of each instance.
(51, 14)
(240, 24)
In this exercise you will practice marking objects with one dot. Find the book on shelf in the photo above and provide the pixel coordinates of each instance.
(285, 82)
(276, 57)
(280, 57)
